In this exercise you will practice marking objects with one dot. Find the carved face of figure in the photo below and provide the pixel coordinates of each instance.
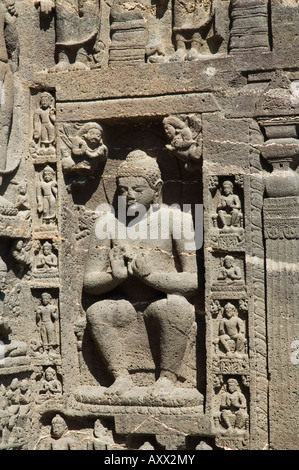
(227, 188)
(46, 250)
(169, 131)
(229, 310)
(228, 263)
(48, 175)
(93, 137)
(137, 191)
(24, 385)
(49, 374)
(232, 385)
(19, 245)
(46, 299)
(2, 282)
(45, 102)
(58, 427)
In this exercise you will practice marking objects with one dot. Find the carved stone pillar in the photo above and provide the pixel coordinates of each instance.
(281, 231)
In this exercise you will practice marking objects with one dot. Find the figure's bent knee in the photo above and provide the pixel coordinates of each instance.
(117, 313)
(175, 309)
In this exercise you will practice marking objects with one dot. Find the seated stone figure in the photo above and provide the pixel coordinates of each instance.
(155, 271)
(13, 352)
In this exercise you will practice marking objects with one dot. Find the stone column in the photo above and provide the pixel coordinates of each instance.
(281, 231)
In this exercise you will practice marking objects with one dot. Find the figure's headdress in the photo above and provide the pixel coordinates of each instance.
(138, 163)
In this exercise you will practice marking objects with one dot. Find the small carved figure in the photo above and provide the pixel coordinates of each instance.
(47, 319)
(103, 438)
(13, 300)
(46, 261)
(13, 349)
(233, 408)
(58, 440)
(22, 200)
(229, 207)
(193, 25)
(232, 329)
(77, 25)
(46, 195)
(184, 142)
(44, 126)
(145, 271)
(50, 386)
(229, 272)
(21, 256)
(87, 151)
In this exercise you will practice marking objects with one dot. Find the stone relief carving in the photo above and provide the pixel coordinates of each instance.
(47, 317)
(83, 154)
(46, 261)
(131, 264)
(76, 26)
(233, 416)
(184, 139)
(43, 143)
(46, 195)
(120, 123)
(227, 217)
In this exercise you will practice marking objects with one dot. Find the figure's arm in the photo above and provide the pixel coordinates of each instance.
(39, 197)
(241, 326)
(237, 273)
(222, 328)
(103, 272)
(185, 281)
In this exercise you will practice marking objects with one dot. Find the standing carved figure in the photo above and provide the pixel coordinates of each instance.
(9, 49)
(77, 24)
(46, 195)
(46, 319)
(193, 24)
(44, 125)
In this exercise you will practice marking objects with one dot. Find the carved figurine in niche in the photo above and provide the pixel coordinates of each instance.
(59, 439)
(132, 271)
(44, 127)
(21, 255)
(229, 207)
(14, 351)
(47, 320)
(46, 260)
(103, 438)
(232, 332)
(9, 51)
(184, 139)
(229, 272)
(13, 300)
(193, 25)
(233, 409)
(22, 201)
(85, 152)
(50, 386)
(77, 24)
(46, 194)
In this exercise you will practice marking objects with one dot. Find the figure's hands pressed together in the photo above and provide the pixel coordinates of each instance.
(140, 266)
(118, 265)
